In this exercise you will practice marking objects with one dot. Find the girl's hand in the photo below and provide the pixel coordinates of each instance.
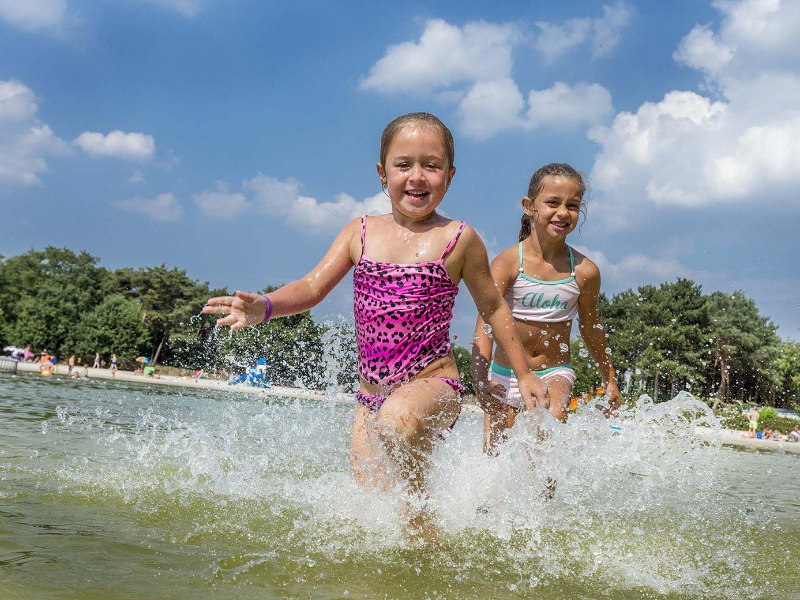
(614, 398)
(242, 310)
(489, 395)
(532, 389)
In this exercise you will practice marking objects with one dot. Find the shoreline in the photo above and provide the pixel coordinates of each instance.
(728, 437)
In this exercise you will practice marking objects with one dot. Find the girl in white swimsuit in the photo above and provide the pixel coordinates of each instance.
(546, 284)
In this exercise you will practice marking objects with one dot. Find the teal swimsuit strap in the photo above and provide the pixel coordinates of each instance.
(506, 372)
(571, 260)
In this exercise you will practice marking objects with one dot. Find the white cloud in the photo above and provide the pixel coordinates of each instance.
(691, 150)
(307, 215)
(221, 204)
(132, 146)
(562, 106)
(33, 15)
(187, 8)
(491, 107)
(471, 67)
(445, 55)
(282, 199)
(602, 33)
(638, 269)
(136, 177)
(25, 142)
(164, 207)
(702, 50)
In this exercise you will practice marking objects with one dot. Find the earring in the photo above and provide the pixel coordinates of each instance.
(385, 188)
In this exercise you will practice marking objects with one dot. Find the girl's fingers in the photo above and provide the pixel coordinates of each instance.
(229, 320)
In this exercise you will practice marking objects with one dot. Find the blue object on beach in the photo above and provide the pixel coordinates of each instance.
(760, 435)
(616, 427)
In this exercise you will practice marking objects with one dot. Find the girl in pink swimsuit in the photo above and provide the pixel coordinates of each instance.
(408, 265)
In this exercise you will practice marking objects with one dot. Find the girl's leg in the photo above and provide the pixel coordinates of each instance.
(495, 426)
(367, 461)
(410, 422)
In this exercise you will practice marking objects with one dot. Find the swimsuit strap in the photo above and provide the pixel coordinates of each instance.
(571, 262)
(454, 240)
(363, 232)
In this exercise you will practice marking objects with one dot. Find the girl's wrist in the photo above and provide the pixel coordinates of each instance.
(268, 312)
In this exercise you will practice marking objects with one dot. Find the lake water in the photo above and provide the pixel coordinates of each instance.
(116, 490)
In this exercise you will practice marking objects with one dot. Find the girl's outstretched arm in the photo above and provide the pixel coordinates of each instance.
(494, 311)
(592, 330)
(246, 308)
(488, 392)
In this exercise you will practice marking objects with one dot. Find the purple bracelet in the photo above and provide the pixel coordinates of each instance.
(268, 314)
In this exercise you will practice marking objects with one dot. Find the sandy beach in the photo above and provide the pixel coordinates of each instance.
(728, 437)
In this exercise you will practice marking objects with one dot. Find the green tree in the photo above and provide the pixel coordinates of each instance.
(659, 336)
(587, 377)
(464, 365)
(745, 348)
(46, 293)
(114, 326)
(787, 367)
(168, 299)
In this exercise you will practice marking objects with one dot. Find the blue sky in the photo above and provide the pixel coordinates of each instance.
(234, 139)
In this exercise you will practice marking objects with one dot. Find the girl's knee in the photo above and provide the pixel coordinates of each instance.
(396, 423)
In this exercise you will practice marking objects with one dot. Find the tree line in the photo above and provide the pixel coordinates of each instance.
(674, 337)
(664, 338)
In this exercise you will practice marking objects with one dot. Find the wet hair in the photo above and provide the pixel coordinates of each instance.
(417, 119)
(537, 184)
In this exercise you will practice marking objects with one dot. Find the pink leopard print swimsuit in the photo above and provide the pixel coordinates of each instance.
(402, 314)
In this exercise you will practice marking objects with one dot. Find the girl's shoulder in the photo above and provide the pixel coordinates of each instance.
(585, 267)
(507, 262)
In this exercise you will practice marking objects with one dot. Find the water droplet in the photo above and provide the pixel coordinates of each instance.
(546, 343)
(487, 329)
(583, 352)
(563, 347)
(608, 351)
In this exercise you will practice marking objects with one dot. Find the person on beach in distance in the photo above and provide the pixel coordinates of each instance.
(752, 420)
(113, 366)
(408, 265)
(546, 284)
(70, 364)
(96, 364)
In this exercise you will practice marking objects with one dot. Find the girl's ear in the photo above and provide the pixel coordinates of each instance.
(527, 206)
(450, 178)
(381, 172)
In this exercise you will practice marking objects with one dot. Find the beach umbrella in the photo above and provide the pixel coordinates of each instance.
(11, 349)
(143, 359)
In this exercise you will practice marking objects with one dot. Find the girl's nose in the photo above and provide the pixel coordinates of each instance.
(417, 173)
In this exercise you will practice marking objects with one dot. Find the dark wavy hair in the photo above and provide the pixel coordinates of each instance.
(537, 184)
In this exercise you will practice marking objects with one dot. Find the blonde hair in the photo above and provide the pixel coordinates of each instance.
(418, 118)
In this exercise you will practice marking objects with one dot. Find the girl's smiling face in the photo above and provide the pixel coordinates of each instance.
(556, 209)
(417, 172)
